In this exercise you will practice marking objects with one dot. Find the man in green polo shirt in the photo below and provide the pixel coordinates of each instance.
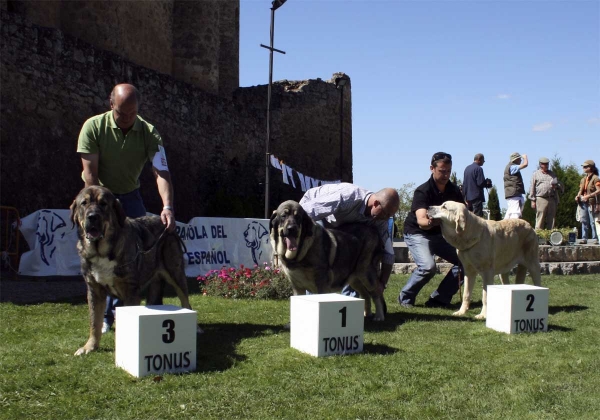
(114, 148)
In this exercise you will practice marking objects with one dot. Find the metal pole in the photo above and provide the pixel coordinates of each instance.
(342, 133)
(268, 156)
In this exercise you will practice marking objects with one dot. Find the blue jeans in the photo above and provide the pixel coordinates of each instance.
(589, 224)
(423, 248)
(134, 207)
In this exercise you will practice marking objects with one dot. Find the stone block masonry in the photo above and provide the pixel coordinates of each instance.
(52, 82)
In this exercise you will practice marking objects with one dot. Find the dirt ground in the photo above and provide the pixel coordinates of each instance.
(22, 290)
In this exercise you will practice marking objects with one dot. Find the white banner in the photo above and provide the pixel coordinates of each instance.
(289, 173)
(211, 244)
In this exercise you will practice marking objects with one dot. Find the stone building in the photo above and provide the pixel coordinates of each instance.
(60, 59)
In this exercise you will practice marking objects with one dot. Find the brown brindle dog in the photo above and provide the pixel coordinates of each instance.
(123, 256)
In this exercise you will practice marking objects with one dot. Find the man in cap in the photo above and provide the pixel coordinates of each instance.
(513, 185)
(542, 195)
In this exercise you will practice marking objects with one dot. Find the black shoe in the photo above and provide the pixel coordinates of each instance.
(434, 303)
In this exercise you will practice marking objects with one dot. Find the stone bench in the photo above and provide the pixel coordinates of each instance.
(561, 260)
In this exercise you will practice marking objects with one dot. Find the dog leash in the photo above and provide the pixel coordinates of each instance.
(139, 252)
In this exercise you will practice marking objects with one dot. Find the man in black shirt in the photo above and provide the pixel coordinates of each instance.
(424, 239)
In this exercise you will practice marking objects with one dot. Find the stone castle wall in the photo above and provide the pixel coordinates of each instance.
(52, 82)
(196, 41)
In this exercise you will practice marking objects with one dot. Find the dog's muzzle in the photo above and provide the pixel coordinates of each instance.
(92, 227)
(290, 235)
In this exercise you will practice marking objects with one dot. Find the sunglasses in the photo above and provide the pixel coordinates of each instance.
(586, 166)
(440, 156)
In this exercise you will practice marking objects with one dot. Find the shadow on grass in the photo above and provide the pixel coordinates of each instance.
(217, 346)
(380, 349)
(552, 310)
(394, 320)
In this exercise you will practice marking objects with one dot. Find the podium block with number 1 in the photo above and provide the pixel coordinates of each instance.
(155, 339)
(327, 324)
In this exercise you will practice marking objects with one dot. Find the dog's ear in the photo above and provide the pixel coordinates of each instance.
(119, 212)
(307, 223)
(74, 218)
(274, 220)
(461, 220)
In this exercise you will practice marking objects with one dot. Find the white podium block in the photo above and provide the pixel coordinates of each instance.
(327, 324)
(517, 308)
(155, 339)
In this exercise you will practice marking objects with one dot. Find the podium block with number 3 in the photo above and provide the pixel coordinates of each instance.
(328, 324)
(517, 308)
(155, 339)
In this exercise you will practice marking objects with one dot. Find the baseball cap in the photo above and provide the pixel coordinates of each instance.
(544, 160)
(515, 156)
(589, 163)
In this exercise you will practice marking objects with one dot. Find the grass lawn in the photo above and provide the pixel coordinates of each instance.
(419, 363)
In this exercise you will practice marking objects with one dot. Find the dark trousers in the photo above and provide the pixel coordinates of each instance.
(476, 206)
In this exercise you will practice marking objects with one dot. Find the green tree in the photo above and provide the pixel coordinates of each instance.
(406, 196)
(493, 204)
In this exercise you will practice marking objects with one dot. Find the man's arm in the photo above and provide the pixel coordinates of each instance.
(532, 191)
(89, 161)
(165, 189)
(524, 162)
(424, 221)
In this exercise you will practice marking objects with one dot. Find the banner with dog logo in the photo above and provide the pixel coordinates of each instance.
(210, 242)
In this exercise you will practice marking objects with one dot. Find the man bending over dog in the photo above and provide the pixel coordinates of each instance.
(424, 239)
(340, 204)
(114, 148)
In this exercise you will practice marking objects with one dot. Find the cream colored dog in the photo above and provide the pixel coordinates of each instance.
(488, 248)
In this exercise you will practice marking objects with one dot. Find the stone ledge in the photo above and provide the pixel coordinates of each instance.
(574, 254)
(557, 268)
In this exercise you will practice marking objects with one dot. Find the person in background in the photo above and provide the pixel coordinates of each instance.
(543, 195)
(587, 197)
(474, 181)
(114, 148)
(337, 204)
(424, 239)
(513, 185)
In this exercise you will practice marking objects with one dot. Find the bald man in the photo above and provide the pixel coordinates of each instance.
(339, 204)
(114, 148)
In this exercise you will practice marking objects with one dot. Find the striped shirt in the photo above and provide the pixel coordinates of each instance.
(339, 204)
(541, 185)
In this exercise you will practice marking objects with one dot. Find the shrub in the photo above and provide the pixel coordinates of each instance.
(259, 282)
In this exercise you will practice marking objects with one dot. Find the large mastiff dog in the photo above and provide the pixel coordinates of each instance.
(324, 260)
(488, 248)
(123, 256)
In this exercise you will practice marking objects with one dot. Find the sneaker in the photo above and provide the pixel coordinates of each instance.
(406, 305)
(105, 327)
(434, 303)
(583, 241)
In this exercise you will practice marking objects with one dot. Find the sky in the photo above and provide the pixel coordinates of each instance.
(463, 77)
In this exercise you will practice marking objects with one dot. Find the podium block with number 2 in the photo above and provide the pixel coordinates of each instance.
(517, 308)
(155, 339)
(327, 324)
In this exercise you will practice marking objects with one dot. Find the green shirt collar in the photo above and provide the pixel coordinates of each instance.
(137, 125)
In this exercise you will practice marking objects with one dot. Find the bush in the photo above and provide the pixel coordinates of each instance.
(243, 283)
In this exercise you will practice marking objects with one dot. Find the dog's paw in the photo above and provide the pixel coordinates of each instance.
(83, 350)
(379, 318)
(459, 313)
(480, 316)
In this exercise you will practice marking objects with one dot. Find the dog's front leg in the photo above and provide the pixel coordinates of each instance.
(467, 292)
(488, 279)
(96, 296)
